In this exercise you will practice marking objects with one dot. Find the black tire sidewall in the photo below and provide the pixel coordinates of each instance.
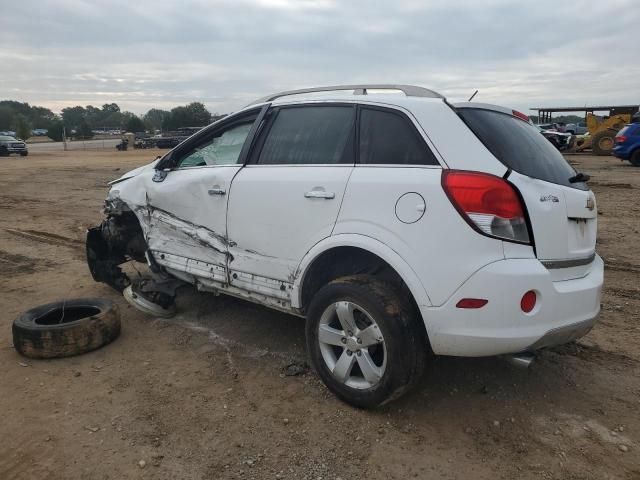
(393, 317)
(66, 339)
(635, 158)
(595, 144)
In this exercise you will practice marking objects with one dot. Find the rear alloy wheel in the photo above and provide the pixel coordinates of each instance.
(348, 336)
(366, 343)
(603, 142)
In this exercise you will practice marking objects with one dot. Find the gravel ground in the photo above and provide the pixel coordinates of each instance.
(208, 393)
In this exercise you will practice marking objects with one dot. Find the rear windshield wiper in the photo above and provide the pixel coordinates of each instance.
(579, 177)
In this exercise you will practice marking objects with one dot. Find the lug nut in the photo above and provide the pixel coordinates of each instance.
(359, 353)
(349, 352)
(350, 333)
(343, 340)
(359, 340)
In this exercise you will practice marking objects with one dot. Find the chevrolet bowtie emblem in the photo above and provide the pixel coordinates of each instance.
(591, 204)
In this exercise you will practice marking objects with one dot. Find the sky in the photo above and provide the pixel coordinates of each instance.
(162, 54)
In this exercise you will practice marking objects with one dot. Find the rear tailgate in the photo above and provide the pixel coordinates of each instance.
(564, 223)
(562, 214)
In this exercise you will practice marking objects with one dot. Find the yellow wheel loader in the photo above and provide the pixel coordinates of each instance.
(602, 128)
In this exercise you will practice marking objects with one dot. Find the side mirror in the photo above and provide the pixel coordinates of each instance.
(160, 175)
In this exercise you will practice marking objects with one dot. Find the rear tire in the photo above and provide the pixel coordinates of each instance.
(394, 357)
(24, 154)
(603, 142)
(635, 158)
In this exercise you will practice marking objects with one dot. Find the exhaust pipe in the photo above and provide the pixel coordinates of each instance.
(521, 360)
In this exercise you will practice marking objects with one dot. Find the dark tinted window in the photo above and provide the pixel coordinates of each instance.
(389, 138)
(632, 129)
(310, 135)
(520, 146)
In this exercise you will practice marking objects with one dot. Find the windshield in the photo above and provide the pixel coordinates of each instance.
(520, 146)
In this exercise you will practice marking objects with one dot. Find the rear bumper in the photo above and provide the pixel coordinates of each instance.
(623, 151)
(565, 310)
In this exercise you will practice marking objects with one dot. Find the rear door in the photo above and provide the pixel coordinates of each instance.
(288, 197)
(561, 209)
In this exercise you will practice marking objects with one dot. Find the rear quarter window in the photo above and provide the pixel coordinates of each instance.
(520, 146)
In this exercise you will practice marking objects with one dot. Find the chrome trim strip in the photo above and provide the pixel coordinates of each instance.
(576, 262)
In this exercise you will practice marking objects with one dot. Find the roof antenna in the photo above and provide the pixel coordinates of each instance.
(471, 97)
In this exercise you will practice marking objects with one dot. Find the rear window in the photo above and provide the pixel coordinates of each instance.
(520, 146)
(389, 138)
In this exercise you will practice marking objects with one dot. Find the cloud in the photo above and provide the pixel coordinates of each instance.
(161, 54)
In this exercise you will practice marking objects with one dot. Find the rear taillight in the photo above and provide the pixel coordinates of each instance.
(621, 139)
(488, 203)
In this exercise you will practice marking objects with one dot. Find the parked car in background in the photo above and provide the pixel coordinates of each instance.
(10, 144)
(576, 128)
(39, 132)
(547, 126)
(627, 145)
(562, 141)
(398, 226)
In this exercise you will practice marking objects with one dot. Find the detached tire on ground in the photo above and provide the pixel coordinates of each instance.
(365, 341)
(66, 328)
(603, 142)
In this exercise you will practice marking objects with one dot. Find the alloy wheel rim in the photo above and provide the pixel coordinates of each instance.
(352, 345)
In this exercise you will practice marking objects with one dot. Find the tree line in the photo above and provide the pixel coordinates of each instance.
(83, 121)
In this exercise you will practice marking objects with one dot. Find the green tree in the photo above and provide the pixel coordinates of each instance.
(55, 130)
(110, 108)
(134, 124)
(155, 118)
(22, 126)
(84, 130)
(41, 117)
(192, 115)
(73, 117)
(6, 117)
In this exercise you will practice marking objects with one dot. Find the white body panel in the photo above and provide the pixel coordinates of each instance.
(369, 209)
(286, 220)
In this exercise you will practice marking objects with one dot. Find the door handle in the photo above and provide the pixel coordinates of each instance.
(320, 194)
(216, 191)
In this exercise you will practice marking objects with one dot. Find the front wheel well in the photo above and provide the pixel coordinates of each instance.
(345, 261)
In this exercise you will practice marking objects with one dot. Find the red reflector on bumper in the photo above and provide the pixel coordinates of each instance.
(528, 301)
(472, 303)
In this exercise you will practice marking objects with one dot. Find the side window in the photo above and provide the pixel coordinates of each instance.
(389, 138)
(310, 135)
(222, 147)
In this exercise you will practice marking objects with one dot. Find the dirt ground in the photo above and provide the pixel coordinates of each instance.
(205, 395)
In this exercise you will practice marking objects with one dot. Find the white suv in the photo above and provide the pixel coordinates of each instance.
(398, 225)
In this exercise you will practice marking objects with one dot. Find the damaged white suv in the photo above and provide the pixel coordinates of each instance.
(398, 225)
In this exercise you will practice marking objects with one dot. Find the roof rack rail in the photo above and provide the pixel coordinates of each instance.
(408, 90)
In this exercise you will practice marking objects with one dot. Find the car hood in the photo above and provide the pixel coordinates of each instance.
(135, 172)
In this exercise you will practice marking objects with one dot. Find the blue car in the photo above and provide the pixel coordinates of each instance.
(628, 144)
